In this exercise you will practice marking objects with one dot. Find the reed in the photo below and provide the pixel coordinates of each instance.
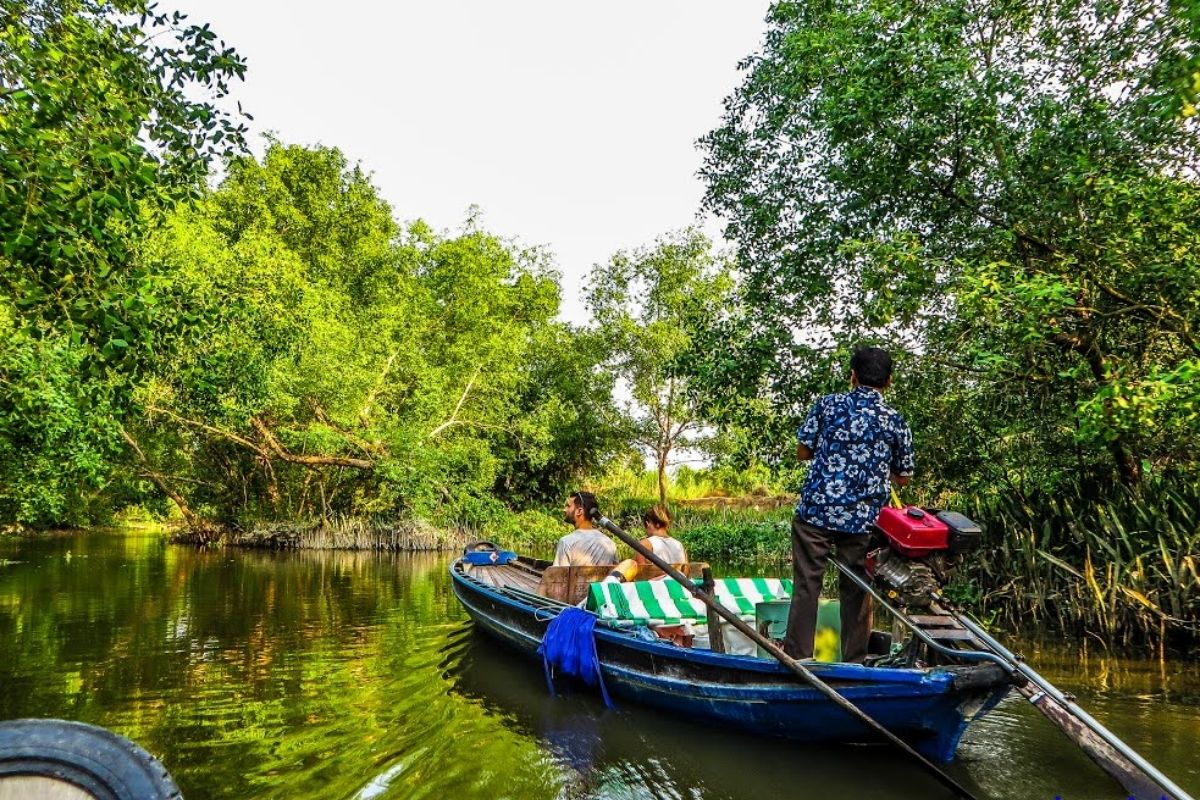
(378, 533)
(687, 485)
(1122, 568)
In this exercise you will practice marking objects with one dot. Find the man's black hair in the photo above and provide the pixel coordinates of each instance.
(872, 365)
(586, 501)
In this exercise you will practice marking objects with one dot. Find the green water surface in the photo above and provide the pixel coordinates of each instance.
(357, 675)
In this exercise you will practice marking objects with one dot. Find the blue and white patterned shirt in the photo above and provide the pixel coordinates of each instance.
(856, 441)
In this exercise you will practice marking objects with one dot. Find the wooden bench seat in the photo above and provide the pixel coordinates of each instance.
(570, 584)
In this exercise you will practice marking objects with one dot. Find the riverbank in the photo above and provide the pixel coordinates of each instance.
(721, 529)
(353, 533)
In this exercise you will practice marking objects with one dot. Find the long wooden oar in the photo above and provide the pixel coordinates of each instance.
(780, 656)
(1140, 779)
(1137, 776)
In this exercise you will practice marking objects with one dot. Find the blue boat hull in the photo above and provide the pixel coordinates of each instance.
(929, 708)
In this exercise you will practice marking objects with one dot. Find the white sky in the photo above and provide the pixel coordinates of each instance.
(571, 125)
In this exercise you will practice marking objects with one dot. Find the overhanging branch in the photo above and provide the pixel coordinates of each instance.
(282, 453)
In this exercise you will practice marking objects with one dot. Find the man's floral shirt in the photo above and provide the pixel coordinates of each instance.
(856, 440)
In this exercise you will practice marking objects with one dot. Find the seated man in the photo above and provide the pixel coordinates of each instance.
(587, 546)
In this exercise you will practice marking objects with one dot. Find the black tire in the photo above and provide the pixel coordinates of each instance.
(481, 546)
(102, 763)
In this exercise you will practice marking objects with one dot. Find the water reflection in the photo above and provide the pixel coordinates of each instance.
(355, 675)
(1014, 753)
(631, 752)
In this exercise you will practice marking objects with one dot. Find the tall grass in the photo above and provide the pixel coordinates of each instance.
(1122, 568)
(379, 533)
(688, 485)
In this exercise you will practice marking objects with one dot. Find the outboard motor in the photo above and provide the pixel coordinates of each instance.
(918, 552)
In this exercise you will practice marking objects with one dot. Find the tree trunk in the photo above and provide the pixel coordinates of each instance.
(1128, 466)
(188, 515)
(662, 476)
(281, 452)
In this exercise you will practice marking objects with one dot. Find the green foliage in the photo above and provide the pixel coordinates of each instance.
(712, 514)
(58, 439)
(1179, 70)
(564, 427)
(349, 366)
(529, 532)
(647, 304)
(757, 481)
(100, 133)
(1123, 566)
(736, 542)
(988, 187)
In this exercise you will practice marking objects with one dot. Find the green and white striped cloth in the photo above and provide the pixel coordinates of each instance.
(665, 602)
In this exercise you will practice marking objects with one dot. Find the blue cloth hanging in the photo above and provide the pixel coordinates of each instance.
(569, 645)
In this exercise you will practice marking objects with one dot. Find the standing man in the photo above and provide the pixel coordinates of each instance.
(587, 546)
(856, 444)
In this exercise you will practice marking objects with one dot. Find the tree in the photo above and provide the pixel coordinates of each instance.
(989, 186)
(352, 366)
(1179, 70)
(566, 427)
(648, 303)
(57, 442)
(101, 132)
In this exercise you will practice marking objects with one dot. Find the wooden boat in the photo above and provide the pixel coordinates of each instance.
(929, 708)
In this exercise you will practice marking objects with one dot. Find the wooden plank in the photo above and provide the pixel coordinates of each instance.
(951, 634)
(1135, 781)
(521, 566)
(528, 581)
(570, 584)
(501, 575)
(937, 620)
(516, 578)
(581, 578)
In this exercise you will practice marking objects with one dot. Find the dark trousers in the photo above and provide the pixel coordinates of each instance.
(810, 551)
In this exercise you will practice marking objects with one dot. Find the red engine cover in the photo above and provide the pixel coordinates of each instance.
(913, 532)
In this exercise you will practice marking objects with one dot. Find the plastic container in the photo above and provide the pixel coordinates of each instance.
(486, 558)
(770, 619)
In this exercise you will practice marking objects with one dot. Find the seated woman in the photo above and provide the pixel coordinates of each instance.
(658, 541)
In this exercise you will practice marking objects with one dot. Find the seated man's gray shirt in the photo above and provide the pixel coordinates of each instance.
(586, 547)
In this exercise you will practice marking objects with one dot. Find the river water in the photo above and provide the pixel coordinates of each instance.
(357, 675)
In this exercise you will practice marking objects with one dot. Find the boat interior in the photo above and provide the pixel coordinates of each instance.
(661, 608)
(567, 585)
